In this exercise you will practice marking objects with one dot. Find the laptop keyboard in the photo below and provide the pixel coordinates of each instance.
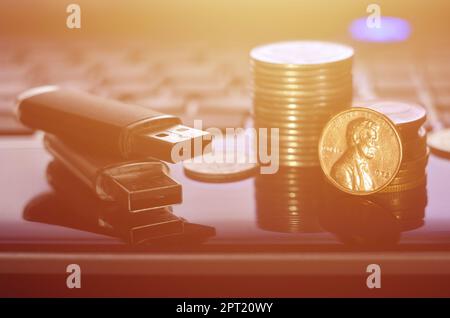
(199, 83)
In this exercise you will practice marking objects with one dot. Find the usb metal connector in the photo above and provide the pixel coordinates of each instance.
(175, 143)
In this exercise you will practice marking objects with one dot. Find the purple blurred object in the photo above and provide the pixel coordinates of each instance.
(391, 29)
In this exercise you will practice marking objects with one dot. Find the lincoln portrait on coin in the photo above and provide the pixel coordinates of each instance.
(352, 169)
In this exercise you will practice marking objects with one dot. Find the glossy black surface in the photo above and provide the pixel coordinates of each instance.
(230, 208)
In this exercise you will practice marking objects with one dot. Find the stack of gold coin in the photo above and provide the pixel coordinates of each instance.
(408, 206)
(406, 194)
(379, 150)
(297, 87)
(289, 200)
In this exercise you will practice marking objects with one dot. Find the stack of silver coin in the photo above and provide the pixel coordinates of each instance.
(297, 87)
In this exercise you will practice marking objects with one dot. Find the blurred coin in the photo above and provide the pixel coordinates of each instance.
(215, 168)
(320, 80)
(403, 200)
(406, 186)
(299, 152)
(303, 71)
(289, 162)
(327, 86)
(401, 113)
(416, 147)
(299, 126)
(305, 112)
(297, 180)
(439, 143)
(418, 163)
(285, 137)
(284, 172)
(297, 110)
(411, 173)
(292, 96)
(301, 54)
(286, 132)
(407, 179)
(299, 146)
(312, 113)
(408, 195)
(302, 102)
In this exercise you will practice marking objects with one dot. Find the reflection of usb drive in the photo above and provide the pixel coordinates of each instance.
(86, 212)
(136, 185)
(108, 126)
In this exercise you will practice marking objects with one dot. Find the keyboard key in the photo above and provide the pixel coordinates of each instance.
(440, 87)
(126, 72)
(12, 73)
(128, 91)
(7, 105)
(393, 80)
(442, 101)
(399, 70)
(165, 103)
(437, 70)
(229, 104)
(12, 88)
(211, 120)
(166, 57)
(86, 86)
(136, 55)
(8, 94)
(179, 73)
(444, 116)
(104, 56)
(399, 91)
(200, 88)
(10, 126)
(54, 73)
(216, 115)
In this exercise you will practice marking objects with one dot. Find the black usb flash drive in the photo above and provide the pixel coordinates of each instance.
(108, 126)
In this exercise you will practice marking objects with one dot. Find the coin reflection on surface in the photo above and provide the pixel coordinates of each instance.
(300, 200)
(288, 201)
(358, 221)
(407, 206)
(374, 221)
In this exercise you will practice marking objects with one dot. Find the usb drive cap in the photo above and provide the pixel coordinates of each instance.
(142, 227)
(141, 186)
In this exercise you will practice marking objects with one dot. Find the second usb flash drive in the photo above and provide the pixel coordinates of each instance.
(108, 126)
(137, 185)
